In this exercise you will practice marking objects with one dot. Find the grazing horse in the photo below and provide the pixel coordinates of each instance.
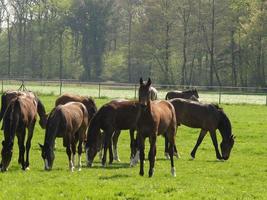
(8, 96)
(113, 116)
(69, 121)
(88, 102)
(20, 114)
(207, 117)
(157, 117)
(182, 94)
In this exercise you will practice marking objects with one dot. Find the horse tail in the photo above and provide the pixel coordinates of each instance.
(11, 118)
(166, 97)
(3, 106)
(42, 113)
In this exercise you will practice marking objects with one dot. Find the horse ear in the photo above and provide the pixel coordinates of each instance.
(148, 82)
(141, 81)
(41, 146)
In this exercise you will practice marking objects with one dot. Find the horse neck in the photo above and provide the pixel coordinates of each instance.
(224, 126)
(51, 131)
(93, 129)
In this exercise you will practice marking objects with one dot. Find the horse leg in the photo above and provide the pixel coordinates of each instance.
(141, 145)
(152, 154)
(132, 144)
(21, 138)
(28, 144)
(171, 153)
(80, 148)
(215, 144)
(68, 151)
(166, 148)
(199, 140)
(115, 145)
(107, 144)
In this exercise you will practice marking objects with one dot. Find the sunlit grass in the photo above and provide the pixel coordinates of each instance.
(243, 176)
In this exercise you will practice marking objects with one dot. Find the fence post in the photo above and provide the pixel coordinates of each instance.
(2, 86)
(135, 91)
(60, 87)
(99, 85)
(220, 94)
(266, 101)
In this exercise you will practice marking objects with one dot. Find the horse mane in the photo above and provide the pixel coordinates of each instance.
(224, 125)
(52, 125)
(92, 101)
(93, 129)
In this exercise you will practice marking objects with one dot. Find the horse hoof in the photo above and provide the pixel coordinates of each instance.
(151, 173)
(177, 155)
(27, 168)
(173, 171)
(167, 156)
(192, 158)
(80, 169)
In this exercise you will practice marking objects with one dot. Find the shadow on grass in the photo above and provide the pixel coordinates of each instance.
(116, 176)
(98, 165)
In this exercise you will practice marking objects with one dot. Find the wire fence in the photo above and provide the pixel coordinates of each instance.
(215, 94)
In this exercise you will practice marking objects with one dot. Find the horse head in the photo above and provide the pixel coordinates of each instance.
(144, 92)
(226, 147)
(48, 156)
(6, 153)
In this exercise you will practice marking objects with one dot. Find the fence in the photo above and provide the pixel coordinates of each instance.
(248, 95)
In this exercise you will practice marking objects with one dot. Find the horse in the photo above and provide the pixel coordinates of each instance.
(9, 95)
(181, 94)
(69, 121)
(113, 116)
(88, 102)
(157, 117)
(20, 114)
(207, 117)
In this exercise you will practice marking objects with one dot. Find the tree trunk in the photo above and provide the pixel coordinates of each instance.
(212, 43)
(234, 71)
(129, 59)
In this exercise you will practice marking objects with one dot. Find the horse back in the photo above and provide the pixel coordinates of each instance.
(195, 114)
(121, 114)
(163, 115)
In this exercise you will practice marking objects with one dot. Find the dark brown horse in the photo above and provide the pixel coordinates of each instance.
(20, 114)
(8, 96)
(113, 116)
(157, 117)
(69, 121)
(88, 102)
(182, 94)
(207, 117)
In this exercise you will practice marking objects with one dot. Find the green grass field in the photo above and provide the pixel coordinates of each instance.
(243, 176)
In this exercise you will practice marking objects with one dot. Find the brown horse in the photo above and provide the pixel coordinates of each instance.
(207, 117)
(182, 94)
(113, 116)
(8, 96)
(88, 102)
(157, 117)
(20, 114)
(69, 121)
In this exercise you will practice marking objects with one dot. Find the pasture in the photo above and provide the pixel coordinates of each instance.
(243, 176)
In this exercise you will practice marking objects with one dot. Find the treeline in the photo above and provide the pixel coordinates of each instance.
(188, 42)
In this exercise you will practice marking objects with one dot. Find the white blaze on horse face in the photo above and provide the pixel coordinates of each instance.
(46, 164)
